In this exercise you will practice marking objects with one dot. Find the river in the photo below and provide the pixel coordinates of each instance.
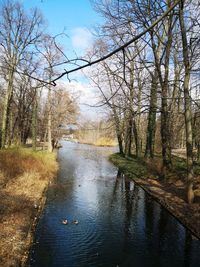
(118, 223)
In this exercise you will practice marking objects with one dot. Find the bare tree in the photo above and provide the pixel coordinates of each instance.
(19, 33)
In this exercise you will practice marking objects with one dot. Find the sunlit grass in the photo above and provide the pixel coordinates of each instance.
(129, 166)
(105, 141)
(142, 168)
(16, 161)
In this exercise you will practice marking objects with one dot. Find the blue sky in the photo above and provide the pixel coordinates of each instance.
(66, 13)
(76, 18)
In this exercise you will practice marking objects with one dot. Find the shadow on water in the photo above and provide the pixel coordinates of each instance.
(119, 224)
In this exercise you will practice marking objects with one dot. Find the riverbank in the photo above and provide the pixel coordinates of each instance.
(101, 142)
(24, 178)
(170, 193)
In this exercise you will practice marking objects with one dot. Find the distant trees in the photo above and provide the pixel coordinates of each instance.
(99, 132)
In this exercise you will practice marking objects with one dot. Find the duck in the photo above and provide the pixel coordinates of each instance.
(65, 221)
(75, 222)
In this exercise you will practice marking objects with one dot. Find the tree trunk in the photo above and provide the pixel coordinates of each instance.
(34, 124)
(164, 82)
(49, 134)
(151, 128)
(138, 120)
(117, 127)
(6, 109)
(165, 135)
(187, 107)
(128, 135)
(137, 140)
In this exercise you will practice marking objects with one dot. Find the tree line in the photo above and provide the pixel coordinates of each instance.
(30, 109)
(151, 87)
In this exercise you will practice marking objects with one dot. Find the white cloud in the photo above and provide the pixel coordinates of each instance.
(81, 38)
(86, 95)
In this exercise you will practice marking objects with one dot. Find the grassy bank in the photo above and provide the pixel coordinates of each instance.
(97, 141)
(131, 166)
(170, 192)
(105, 141)
(24, 177)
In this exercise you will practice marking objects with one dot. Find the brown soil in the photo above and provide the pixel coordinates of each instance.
(24, 177)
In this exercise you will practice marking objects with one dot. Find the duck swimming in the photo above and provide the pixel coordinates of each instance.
(65, 221)
(75, 222)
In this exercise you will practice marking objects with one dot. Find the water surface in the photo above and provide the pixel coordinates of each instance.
(119, 224)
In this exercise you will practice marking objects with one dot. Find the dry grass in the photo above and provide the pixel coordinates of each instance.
(105, 141)
(24, 176)
(154, 166)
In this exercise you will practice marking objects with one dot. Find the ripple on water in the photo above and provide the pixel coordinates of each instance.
(118, 223)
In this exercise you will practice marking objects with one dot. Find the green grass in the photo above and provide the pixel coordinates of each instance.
(130, 166)
(180, 166)
(140, 168)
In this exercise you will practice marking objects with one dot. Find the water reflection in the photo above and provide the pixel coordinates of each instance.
(119, 225)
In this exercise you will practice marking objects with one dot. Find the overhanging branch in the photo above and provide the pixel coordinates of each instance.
(121, 48)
